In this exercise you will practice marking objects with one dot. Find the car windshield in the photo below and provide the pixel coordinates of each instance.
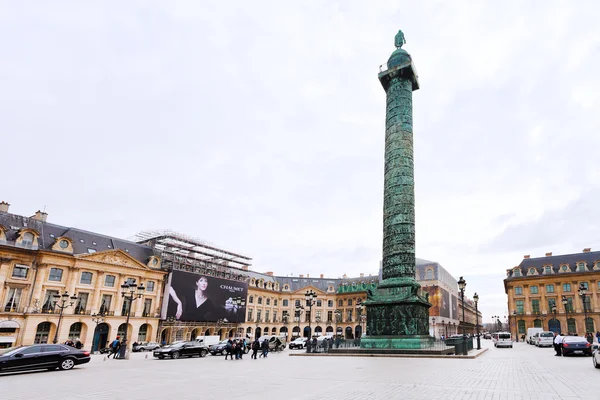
(224, 341)
(546, 334)
(574, 339)
(175, 345)
(10, 351)
(504, 336)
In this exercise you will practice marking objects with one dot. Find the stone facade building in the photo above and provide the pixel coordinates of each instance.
(40, 261)
(545, 292)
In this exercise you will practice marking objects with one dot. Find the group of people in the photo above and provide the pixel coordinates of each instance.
(237, 348)
(76, 343)
(115, 347)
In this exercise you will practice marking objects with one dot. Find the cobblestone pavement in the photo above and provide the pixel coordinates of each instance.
(523, 372)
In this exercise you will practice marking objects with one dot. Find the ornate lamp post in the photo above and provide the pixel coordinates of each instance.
(461, 286)
(97, 319)
(583, 294)
(362, 317)
(514, 313)
(310, 296)
(298, 314)
(433, 322)
(130, 291)
(476, 300)
(565, 305)
(65, 301)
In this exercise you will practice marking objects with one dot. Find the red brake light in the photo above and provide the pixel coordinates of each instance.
(86, 353)
(588, 345)
(565, 345)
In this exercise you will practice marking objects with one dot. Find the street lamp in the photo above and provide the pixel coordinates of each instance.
(310, 296)
(97, 319)
(130, 291)
(565, 304)
(476, 300)
(338, 319)
(299, 309)
(433, 322)
(514, 313)
(362, 317)
(583, 294)
(553, 309)
(64, 299)
(461, 286)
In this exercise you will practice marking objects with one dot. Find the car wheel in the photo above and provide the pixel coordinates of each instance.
(175, 355)
(203, 353)
(511, 347)
(596, 365)
(66, 364)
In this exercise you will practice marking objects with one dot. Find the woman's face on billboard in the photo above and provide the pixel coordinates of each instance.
(202, 283)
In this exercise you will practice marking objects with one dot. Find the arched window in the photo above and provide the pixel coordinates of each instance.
(268, 301)
(27, 239)
(537, 323)
(260, 300)
(42, 333)
(429, 274)
(571, 326)
(75, 331)
(589, 325)
(251, 299)
(521, 326)
(143, 333)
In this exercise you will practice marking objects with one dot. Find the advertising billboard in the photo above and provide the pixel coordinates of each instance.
(201, 298)
(455, 307)
(440, 301)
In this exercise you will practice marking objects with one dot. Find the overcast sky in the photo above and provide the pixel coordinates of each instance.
(260, 127)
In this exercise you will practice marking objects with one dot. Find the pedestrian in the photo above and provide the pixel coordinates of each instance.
(325, 345)
(265, 348)
(242, 348)
(314, 344)
(78, 344)
(114, 348)
(598, 336)
(238, 350)
(255, 348)
(557, 344)
(229, 349)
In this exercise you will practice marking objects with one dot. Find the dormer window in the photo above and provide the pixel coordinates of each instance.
(532, 271)
(581, 267)
(565, 268)
(516, 272)
(547, 269)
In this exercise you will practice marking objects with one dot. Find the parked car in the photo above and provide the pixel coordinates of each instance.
(503, 339)
(531, 332)
(596, 358)
(42, 356)
(487, 335)
(219, 348)
(576, 345)
(183, 349)
(542, 339)
(299, 343)
(151, 346)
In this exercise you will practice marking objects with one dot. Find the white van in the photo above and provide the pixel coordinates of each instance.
(503, 339)
(531, 332)
(208, 340)
(545, 338)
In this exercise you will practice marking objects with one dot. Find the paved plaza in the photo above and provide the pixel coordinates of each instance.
(524, 372)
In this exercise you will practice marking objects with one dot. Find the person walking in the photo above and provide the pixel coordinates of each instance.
(229, 349)
(242, 348)
(114, 348)
(558, 344)
(265, 348)
(255, 348)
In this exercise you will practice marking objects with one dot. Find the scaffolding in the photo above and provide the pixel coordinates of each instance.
(182, 252)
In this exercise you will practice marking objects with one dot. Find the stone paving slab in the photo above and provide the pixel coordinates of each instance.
(524, 372)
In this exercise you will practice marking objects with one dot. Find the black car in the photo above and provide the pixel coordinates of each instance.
(41, 356)
(576, 345)
(183, 349)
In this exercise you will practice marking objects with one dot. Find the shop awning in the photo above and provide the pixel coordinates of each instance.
(7, 339)
(9, 324)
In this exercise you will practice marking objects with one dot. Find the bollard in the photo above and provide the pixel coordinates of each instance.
(104, 358)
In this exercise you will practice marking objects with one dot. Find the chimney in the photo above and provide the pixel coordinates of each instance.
(308, 275)
(40, 216)
(270, 273)
(344, 276)
(362, 275)
(322, 276)
(526, 256)
(549, 254)
(4, 206)
(586, 250)
(301, 275)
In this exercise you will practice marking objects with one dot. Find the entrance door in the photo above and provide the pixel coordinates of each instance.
(100, 336)
(554, 325)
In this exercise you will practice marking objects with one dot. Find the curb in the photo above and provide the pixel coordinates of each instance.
(474, 356)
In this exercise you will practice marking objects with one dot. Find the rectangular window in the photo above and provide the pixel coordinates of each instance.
(91, 251)
(275, 302)
(533, 289)
(521, 325)
(340, 303)
(105, 304)
(251, 300)
(547, 269)
(109, 281)
(55, 274)
(581, 267)
(535, 306)
(125, 308)
(147, 308)
(585, 285)
(319, 316)
(82, 300)
(274, 316)
(260, 300)
(520, 308)
(267, 316)
(297, 303)
(150, 286)
(285, 303)
(49, 301)
(349, 315)
(86, 278)
(250, 315)
(549, 288)
(258, 315)
(349, 302)
(551, 303)
(570, 304)
(13, 299)
(330, 303)
(566, 287)
(518, 290)
(517, 272)
(329, 316)
(20, 271)
(319, 303)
